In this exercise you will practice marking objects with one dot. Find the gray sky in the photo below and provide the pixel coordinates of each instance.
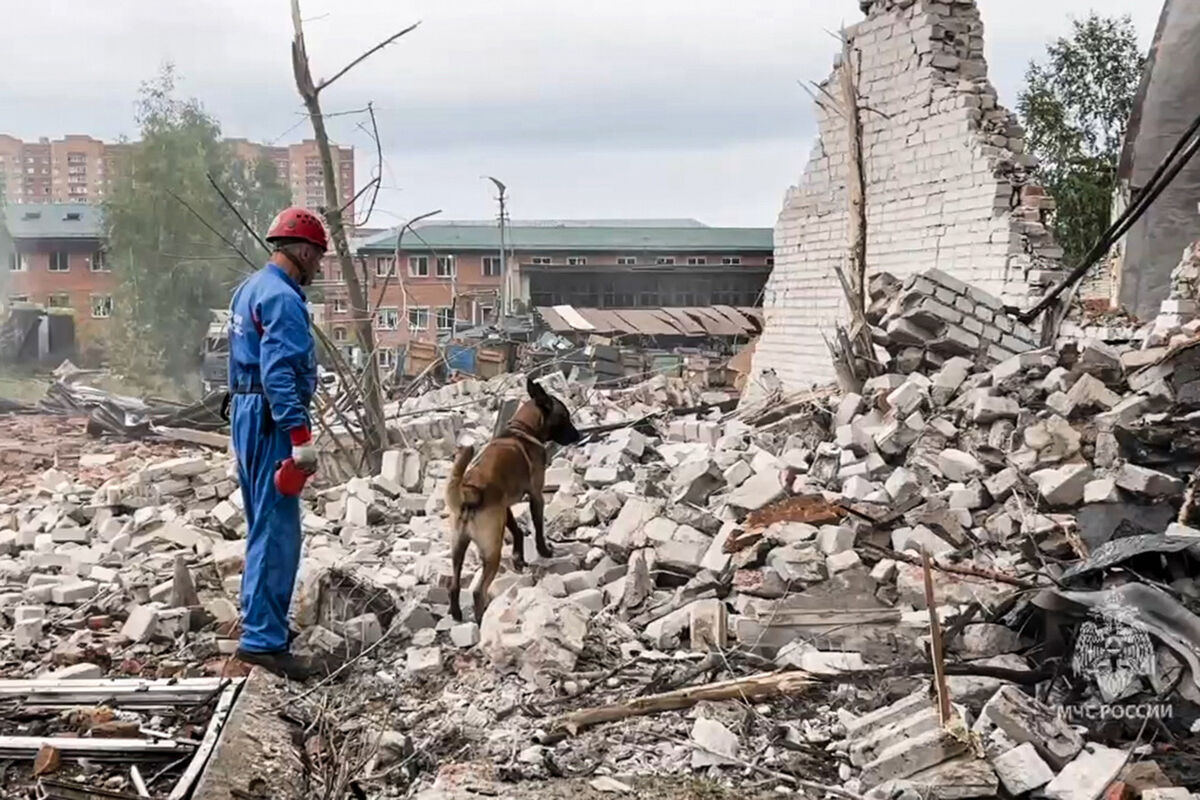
(655, 108)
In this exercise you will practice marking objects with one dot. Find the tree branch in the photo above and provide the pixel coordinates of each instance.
(237, 213)
(365, 56)
(215, 232)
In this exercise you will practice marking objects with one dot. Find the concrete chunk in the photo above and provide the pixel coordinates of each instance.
(1063, 486)
(759, 491)
(909, 756)
(1022, 770)
(708, 625)
(989, 409)
(139, 628)
(1148, 482)
(957, 465)
(716, 744)
(902, 485)
(1001, 485)
(1089, 393)
(1087, 776)
(1024, 719)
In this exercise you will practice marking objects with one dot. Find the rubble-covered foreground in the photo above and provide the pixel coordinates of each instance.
(732, 599)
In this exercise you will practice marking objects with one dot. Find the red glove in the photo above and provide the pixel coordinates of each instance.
(293, 472)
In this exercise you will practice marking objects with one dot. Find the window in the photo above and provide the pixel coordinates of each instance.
(665, 261)
(18, 298)
(697, 261)
(100, 262)
(384, 265)
(445, 266)
(491, 266)
(386, 356)
(482, 314)
(576, 261)
(59, 301)
(626, 261)
(418, 266)
(445, 318)
(339, 305)
(418, 319)
(541, 260)
(59, 261)
(339, 334)
(731, 261)
(388, 319)
(18, 262)
(101, 306)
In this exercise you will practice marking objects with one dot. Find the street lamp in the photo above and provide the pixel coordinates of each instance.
(502, 189)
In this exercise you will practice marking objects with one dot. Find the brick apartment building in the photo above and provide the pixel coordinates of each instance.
(450, 274)
(81, 169)
(56, 259)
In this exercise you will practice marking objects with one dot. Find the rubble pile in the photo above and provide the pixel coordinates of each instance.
(1051, 490)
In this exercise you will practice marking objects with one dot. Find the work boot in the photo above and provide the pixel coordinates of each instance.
(287, 665)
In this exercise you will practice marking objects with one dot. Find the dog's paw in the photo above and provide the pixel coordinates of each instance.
(545, 550)
(456, 612)
(518, 563)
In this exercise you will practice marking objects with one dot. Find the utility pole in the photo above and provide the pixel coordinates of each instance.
(503, 256)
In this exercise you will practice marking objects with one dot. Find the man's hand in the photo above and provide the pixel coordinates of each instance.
(304, 452)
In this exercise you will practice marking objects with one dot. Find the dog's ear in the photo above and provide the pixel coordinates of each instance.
(538, 395)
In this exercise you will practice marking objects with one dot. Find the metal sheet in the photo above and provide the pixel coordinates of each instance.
(735, 317)
(123, 692)
(670, 321)
(1117, 551)
(644, 322)
(184, 786)
(27, 747)
(713, 322)
(553, 320)
(685, 322)
(573, 318)
(603, 321)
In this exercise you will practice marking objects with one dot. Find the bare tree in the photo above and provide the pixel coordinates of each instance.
(375, 432)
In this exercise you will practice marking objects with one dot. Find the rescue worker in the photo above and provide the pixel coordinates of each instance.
(272, 378)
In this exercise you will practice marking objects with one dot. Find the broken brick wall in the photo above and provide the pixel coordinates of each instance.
(946, 184)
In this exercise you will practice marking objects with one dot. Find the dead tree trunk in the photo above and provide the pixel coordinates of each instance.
(856, 184)
(375, 427)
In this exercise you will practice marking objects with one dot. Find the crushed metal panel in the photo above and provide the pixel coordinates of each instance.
(603, 320)
(645, 323)
(736, 317)
(684, 322)
(554, 320)
(668, 320)
(713, 322)
(573, 318)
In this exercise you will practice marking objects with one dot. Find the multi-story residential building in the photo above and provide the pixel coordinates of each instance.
(449, 276)
(81, 169)
(57, 259)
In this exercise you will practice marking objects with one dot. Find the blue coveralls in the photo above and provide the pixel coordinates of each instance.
(272, 377)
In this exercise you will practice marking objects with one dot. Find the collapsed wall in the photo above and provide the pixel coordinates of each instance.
(946, 184)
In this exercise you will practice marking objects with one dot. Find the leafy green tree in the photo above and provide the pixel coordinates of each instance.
(1075, 107)
(170, 269)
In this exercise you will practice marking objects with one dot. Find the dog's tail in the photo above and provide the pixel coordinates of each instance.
(459, 495)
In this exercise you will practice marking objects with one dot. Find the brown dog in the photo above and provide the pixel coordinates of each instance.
(511, 467)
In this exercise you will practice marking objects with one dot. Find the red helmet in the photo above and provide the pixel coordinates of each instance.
(298, 223)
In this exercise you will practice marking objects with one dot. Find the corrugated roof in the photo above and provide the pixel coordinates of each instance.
(53, 221)
(580, 238)
(706, 321)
